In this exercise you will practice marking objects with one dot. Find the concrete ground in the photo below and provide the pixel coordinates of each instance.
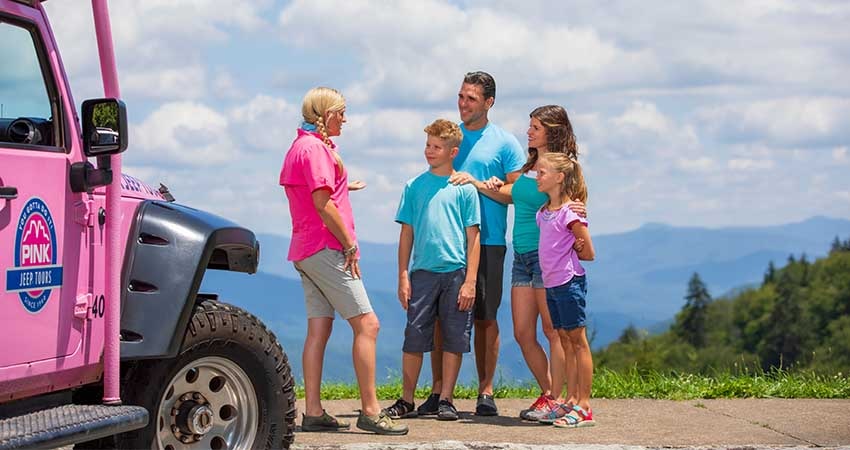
(620, 424)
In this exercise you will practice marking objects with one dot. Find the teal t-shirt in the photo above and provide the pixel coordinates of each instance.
(490, 151)
(439, 213)
(527, 201)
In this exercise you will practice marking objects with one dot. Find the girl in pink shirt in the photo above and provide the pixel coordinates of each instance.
(324, 251)
(564, 240)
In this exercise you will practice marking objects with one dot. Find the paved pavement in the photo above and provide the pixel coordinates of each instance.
(621, 424)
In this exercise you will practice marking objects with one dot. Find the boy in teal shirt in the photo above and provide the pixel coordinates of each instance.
(439, 227)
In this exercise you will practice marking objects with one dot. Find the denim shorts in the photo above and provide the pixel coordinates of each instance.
(526, 270)
(434, 296)
(567, 303)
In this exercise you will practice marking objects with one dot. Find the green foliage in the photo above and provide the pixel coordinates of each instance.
(105, 115)
(634, 383)
(798, 320)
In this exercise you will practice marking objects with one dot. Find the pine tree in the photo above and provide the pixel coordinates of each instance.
(783, 342)
(770, 274)
(836, 246)
(691, 321)
(629, 335)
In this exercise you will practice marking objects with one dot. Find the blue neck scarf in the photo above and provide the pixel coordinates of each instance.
(306, 126)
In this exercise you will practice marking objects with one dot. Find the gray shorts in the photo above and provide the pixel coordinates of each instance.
(434, 295)
(328, 288)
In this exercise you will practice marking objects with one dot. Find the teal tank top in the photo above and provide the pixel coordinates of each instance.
(527, 200)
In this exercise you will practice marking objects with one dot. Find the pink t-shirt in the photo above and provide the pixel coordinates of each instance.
(309, 165)
(558, 260)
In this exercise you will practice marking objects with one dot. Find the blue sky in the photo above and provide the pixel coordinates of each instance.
(698, 113)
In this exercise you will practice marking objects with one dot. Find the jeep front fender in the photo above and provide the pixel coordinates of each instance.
(168, 250)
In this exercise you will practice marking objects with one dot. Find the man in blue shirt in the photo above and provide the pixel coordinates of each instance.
(486, 153)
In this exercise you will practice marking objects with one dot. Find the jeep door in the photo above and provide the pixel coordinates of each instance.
(42, 228)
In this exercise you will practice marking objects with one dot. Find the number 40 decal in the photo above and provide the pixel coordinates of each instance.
(98, 306)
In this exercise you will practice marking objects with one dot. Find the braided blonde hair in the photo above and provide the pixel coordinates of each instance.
(318, 103)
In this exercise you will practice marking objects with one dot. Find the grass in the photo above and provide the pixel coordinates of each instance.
(654, 385)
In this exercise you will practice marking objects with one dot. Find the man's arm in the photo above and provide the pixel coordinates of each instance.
(405, 247)
(332, 219)
(466, 296)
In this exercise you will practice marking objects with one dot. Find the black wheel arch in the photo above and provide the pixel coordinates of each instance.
(169, 248)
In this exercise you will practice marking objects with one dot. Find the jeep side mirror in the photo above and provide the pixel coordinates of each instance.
(104, 127)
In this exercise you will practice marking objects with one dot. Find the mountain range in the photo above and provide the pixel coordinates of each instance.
(639, 277)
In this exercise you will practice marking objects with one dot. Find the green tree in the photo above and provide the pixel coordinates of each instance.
(836, 246)
(691, 321)
(770, 273)
(782, 343)
(105, 115)
(630, 335)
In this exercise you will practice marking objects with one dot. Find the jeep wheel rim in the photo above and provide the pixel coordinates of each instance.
(209, 404)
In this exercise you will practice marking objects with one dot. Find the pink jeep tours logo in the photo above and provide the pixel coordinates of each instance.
(36, 273)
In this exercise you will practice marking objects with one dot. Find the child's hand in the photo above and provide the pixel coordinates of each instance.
(404, 291)
(578, 245)
(356, 185)
(578, 208)
(466, 296)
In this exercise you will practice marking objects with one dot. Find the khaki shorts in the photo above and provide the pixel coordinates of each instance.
(328, 288)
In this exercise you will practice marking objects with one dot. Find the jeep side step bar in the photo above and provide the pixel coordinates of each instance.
(69, 424)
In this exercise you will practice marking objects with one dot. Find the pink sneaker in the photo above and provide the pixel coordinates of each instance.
(540, 407)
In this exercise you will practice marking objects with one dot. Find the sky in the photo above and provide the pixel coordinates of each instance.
(698, 113)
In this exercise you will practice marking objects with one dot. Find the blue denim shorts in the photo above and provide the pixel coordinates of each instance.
(567, 303)
(526, 270)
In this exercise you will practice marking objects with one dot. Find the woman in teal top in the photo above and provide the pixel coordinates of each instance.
(549, 130)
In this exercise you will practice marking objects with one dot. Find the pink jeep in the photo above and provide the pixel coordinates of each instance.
(98, 267)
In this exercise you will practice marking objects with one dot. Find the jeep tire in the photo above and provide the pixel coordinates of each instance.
(229, 387)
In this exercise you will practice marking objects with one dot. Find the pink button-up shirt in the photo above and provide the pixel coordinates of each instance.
(310, 165)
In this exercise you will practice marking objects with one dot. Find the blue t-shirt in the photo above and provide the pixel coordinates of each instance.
(527, 201)
(490, 151)
(439, 213)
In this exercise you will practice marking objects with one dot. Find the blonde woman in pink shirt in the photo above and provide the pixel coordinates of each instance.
(324, 251)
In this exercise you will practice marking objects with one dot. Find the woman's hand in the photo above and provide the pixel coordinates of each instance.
(356, 185)
(352, 265)
(578, 208)
(494, 183)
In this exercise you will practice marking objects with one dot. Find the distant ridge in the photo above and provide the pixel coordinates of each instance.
(639, 278)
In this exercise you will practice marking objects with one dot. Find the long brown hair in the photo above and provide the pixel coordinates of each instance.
(559, 134)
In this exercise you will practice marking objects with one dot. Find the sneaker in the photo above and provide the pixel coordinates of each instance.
(538, 409)
(325, 422)
(558, 411)
(447, 411)
(431, 406)
(486, 406)
(380, 424)
(401, 409)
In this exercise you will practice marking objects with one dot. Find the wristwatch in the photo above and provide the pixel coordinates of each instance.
(350, 251)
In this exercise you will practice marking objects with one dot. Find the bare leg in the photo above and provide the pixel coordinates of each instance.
(312, 359)
(365, 328)
(486, 353)
(557, 352)
(451, 368)
(584, 364)
(411, 365)
(437, 360)
(524, 311)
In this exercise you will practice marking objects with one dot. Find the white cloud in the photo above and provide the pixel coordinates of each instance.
(184, 133)
(702, 164)
(744, 164)
(785, 120)
(841, 155)
(265, 122)
(644, 116)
